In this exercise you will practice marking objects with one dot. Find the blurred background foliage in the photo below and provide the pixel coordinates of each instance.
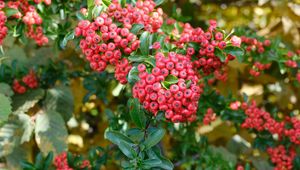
(99, 100)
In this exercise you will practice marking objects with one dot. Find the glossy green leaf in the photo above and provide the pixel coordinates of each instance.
(136, 28)
(137, 113)
(127, 149)
(219, 53)
(145, 43)
(154, 137)
(235, 51)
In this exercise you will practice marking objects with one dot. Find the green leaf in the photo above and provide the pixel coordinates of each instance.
(22, 103)
(6, 89)
(127, 149)
(155, 153)
(123, 3)
(151, 163)
(10, 12)
(158, 2)
(235, 51)
(106, 2)
(116, 137)
(18, 155)
(145, 43)
(133, 75)
(50, 132)
(27, 165)
(48, 160)
(169, 80)
(5, 107)
(136, 28)
(154, 137)
(135, 134)
(61, 100)
(69, 36)
(39, 161)
(90, 4)
(219, 53)
(96, 11)
(80, 16)
(142, 59)
(136, 113)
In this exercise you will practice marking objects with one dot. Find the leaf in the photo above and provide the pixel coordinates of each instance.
(106, 2)
(96, 11)
(61, 100)
(145, 43)
(123, 3)
(22, 103)
(133, 75)
(135, 134)
(136, 113)
(50, 132)
(48, 160)
(5, 107)
(116, 137)
(219, 53)
(154, 137)
(151, 163)
(169, 80)
(10, 12)
(80, 16)
(155, 153)
(127, 149)
(158, 2)
(136, 28)
(69, 36)
(6, 89)
(235, 51)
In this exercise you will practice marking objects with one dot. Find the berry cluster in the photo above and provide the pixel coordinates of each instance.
(254, 45)
(294, 132)
(208, 41)
(61, 163)
(3, 18)
(28, 81)
(30, 18)
(209, 116)
(258, 68)
(180, 99)
(282, 158)
(121, 71)
(104, 41)
(260, 120)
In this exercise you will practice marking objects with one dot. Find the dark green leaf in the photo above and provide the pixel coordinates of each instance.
(133, 75)
(5, 107)
(154, 137)
(145, 43)
(151, 163)
(116, 137)
(136, 28)
(136, 113)
(169, 80)
(10, 11)
(219, 53)
(235, 51)
(127, 149)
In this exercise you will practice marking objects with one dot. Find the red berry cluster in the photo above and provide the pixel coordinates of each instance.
(3, 18)
(61, 163)
(104, 42)
(209, 116)
(121, 71)
(260, 120)
(180, 99)
(254, 45)
(208, 41)
(258, 67)
(28, 81)
(282, 158)
(30, 18)
(294, 132)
